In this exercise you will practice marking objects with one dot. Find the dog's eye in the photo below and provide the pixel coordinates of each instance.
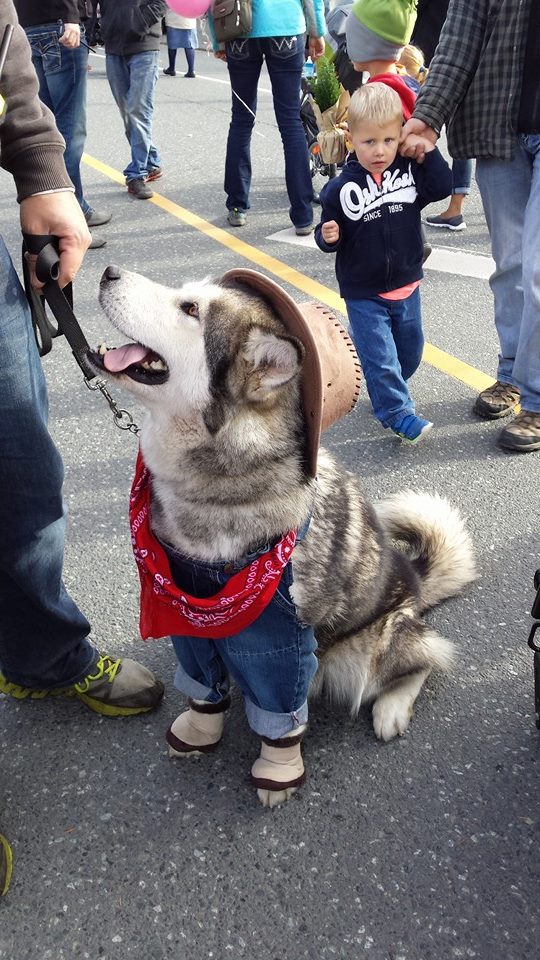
(192, 309)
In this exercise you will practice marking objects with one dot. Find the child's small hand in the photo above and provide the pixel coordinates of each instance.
(330, 231)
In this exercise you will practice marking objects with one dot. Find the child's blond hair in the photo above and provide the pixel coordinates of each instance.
(412, 63)
(376, 102)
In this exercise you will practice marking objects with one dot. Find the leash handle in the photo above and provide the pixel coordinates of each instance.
(48, 255)
(44, 330)
(60, 301)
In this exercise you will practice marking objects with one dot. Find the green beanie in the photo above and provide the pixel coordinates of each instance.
(376, 27)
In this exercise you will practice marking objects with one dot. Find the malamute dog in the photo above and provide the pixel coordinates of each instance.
(224, 440)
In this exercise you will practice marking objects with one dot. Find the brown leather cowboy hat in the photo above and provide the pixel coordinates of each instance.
(331, 370)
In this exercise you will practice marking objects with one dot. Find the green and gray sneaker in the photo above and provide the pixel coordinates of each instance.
(236, 217)
(115, 688)
(6, 865)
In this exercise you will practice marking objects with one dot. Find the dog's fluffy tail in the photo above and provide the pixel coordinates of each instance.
(435, 539)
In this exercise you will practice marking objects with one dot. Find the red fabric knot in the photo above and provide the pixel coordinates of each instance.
(166, 610)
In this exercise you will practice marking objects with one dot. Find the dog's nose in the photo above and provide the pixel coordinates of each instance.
(112, 272)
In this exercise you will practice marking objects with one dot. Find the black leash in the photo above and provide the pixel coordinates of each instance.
(534, 645)
(60, 301)
(61, 304)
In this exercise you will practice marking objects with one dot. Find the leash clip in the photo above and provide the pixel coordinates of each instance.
(121, 418)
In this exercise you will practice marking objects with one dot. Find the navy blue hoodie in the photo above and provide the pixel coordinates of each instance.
(380, 247)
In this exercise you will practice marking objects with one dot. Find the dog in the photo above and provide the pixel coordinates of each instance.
(223, 437)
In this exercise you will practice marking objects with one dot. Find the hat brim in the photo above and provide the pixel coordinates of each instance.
(330, 382)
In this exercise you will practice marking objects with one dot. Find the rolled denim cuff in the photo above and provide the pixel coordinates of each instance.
(198, 691)
(274, 725)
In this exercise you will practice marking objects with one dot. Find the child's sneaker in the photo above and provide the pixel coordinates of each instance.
(411, 429)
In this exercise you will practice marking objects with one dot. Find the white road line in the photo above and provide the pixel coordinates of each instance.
(443, 259)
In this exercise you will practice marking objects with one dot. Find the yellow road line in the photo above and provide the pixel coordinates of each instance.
(312, 288)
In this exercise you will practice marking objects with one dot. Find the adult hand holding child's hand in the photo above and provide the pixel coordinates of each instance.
(415, 137)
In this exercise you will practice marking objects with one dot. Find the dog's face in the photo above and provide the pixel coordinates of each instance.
(201, 350)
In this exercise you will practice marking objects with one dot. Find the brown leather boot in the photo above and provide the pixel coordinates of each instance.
(197, 730)
(279, 770)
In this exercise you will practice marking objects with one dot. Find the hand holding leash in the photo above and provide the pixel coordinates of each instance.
(57, 215)
(41, 283)
(41, 260)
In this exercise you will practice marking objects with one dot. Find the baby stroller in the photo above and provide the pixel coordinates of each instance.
(311, 130)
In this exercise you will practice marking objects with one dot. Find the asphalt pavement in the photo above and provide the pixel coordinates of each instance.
(422, 849)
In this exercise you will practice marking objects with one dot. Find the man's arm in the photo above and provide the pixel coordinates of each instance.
(149, 13)
(451, 71)
(454, 63)
(71, 18)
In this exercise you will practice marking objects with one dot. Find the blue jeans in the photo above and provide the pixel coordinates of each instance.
(510, 193)
(43, 636)
(461, 176)
(389, 339)
(273, 661)
(132, 80)
(284, 60)
(62, 78)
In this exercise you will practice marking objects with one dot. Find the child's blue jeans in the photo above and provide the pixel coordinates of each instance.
(389, 339)
(273, 661)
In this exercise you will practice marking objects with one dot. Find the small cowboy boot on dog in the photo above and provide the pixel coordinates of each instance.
(279, 770)
(197, 730)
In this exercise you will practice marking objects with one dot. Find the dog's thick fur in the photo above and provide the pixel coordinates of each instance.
(224, 440)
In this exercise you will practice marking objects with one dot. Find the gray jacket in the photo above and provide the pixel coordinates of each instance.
(475, 77)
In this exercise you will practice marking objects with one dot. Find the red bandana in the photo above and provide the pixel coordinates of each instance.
(166, 610)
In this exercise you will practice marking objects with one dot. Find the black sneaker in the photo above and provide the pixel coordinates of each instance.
(97, 242)
(139, 188)
(96, 218)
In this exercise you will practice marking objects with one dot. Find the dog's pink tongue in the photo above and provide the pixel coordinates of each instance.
(120, 358)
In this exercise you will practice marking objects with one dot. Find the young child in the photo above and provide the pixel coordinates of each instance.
(411, 67)
(371, 220)
(376, 34)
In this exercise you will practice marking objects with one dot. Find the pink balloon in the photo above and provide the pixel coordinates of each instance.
(189, 8)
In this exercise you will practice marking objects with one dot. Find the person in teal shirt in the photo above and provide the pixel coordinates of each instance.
(277, 37)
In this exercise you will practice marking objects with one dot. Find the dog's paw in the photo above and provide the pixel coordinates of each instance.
(273, 798)
(391, 716)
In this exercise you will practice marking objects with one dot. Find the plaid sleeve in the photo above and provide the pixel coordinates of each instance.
(454, 63)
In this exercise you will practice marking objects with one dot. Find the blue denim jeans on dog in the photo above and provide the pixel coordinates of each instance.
(389, 339)
(273, 661)
(43, 635)
(284, 58)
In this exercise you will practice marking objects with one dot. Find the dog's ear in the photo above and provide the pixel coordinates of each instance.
(272, 362)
